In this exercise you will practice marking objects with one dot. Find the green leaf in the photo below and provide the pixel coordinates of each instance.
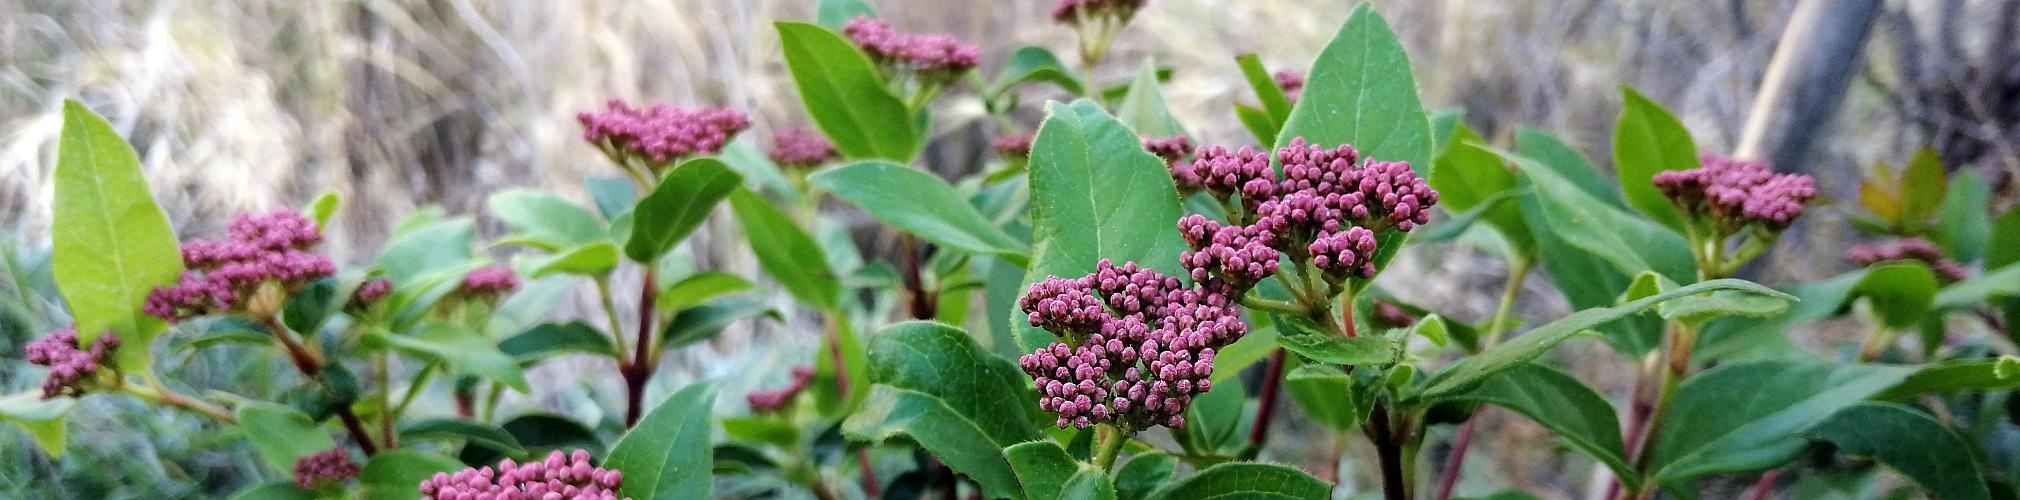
(1095, 194)
(1743, 417)
(549, 339)
(1965, 223)
(760, 174)
(1143, 473)
(1213, 421)
(43, 419)
(322, 208)
(1266, 90)
(845, 96)
(112, 244)
(785, 251)
(1551, 152)
(1258, 122)
(668, 455)
(944, 362)
(1993, 283)
(1301, 336)
(2004, 249)
(425, 249)
(762, 430)
(1143, 109)
(1562, 404)
(1259, 343)
(1245, 480)
(1361, 92)
(1032, 64)
(1325, 393)
(277, 490)
(1957, 375)
(833, 14)
(280, 434)
(1432, 328)
(1648, 140)
(461, 348)
(918, 203)
(614, 196)
(699, 288)
(1471, 178)
(1911, 442)
(1476, 369)
(703, 322)
(1923, 185)
(1697, 309)
(593, 259)
(950, 436)
(450, 429)
(544, 220)
(1048, 473)
(1901, 293)
(677, 205)
(307, 308)
(397, 474)
(1630, 243)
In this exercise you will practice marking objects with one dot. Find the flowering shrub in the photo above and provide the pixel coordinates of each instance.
(1146, 304)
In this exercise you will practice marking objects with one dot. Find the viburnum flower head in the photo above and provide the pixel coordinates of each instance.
(1145, 345)
(328, 467)
(658, 135)
(273, 248)
(1170, 149)
(1073, 11)
(800, 148)
(1735, 193)
(560, 476)
(1222, 173)
(1909, 249)
(72, 371)
(934, 59)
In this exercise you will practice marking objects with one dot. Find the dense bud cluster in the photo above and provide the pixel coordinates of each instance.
(71, 370)
(1292, 82)
(1736, 193)
(1139, 345)
(489, 282)
(259, 249)
(773, 400)
(1239, 256)
(328, 467)
(1073, 11)
(1917, 249)
(1170, 149)
(558, 477)
(800, 148)
(660, 134)
(934, 57)
(1015, 147)
(371, 292)
(1245, 172)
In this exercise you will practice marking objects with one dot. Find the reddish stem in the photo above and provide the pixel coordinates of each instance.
(1273, 376)
(922, 303)
(310, 367)
(640, 369)
(1765, 487)
(1457, 462)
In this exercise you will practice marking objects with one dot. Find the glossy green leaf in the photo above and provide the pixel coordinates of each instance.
(1993, 283)
(1965, 221)
(1214, 420)
(786, 252)
(677, 206)
(1555, 154)
(1697, 309)
(397, 474)
(954, 438)
(845, 96)
(1923, 449)
(550, 339)
(667, 455)
(593, 259)
(1360, 91)
(112, 243)
(699, 288)
(1143, 473)
(1562, 404)
(1630, 243)
(1949, 376)
(762, 430)
(1048, 473)
(1923, 185)
(1266, 90)
(1900, 293)
(465, 350)
(833, 14)
(41, 418)
(918, 203)
(1744, 417)
(1095, 194)
(1301, 336)
(425, 249)
(1257, 345)
(1245, 480)
(308, 307)
(545, 220)
(450, 429)
(1143, 108)
(1033, 64)
(1476, 369)
(280, 434)
(1648, 140)
(699, 323)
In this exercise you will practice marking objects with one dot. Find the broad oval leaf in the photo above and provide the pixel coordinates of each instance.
(1143, 108)
(845, 96)
(836, 13)
(1964, 224)
(1142, 473)
(667, 456)
(592, 259)
(112, 243)
(954, 438)
(944, 362)
(42, 418)
(1245, 480)
(1032, 64)
(1630, 243)
(1048, 473)
(1361, 91)
(677, 205)
(1561, 403)
(1957, 375)
(1301, 336)
(785, 251)
(1920, 447)
(699, 288)
(1993, 283)
(1743, 417)
(1901, 293)
(280, 434)
(1325, 393)
(1648, 140)
(699, 323)
(918, 203)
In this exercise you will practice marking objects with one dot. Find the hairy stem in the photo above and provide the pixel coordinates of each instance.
(1273, 305)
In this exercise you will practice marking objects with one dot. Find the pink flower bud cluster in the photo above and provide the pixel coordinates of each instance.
(260, 248)
(660, 133)
(1736, 193)
(328, 467)
(1244, 172)
(1072, 11)
(371, 292)
(1239, 256)
(1170, 149)
(489, 282)
(1292, 82)
(70, 369)
(1145, 345)
(936, 56)
(1374, 194)
(1014, 147)
(558, 477)
(800, 148)
(776, 399)
(1904, 249)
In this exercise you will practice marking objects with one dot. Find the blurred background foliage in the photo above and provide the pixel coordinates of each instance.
(400, 104)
